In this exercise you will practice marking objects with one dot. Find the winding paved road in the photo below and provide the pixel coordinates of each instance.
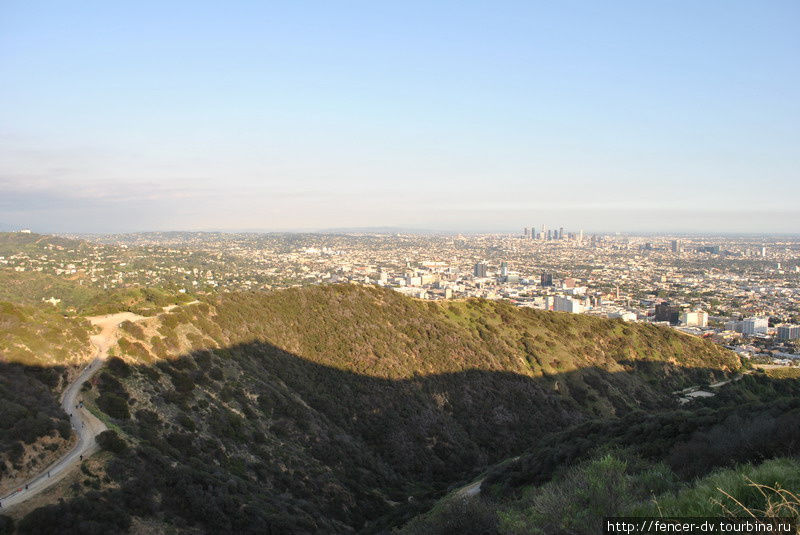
(86, 425)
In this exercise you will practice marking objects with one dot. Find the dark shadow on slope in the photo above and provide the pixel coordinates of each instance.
(29, 411)
(251, 438)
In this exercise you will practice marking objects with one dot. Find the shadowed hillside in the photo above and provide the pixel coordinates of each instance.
(342, 408)
(250, 437)
(37, 345)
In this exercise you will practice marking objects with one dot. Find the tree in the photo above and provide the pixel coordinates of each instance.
(110, 441)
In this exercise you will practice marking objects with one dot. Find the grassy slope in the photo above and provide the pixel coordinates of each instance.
(14, 242)
(78, 296)
(40, 336)
(620, 484)
(570, 479)
(380, 333)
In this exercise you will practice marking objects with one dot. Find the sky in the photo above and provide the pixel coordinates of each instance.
(675, 116)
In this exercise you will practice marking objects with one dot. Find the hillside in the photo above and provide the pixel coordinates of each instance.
(672, 462)
(16, 242)
(36, 347)
(344, 408)
(616, 483)
(39, 336)
(380, 333)
(77, 295)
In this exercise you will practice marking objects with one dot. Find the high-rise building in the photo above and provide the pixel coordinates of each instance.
(755, 325)
(676, 246)
(787, 331)
(527, 232)
(546, 279)
(667, 312)
(763, 252)
(480, 270)
(735, 326)
(533, 232)
(503, 269)
(561, 233)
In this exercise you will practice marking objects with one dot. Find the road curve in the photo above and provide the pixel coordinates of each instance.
(86, 425)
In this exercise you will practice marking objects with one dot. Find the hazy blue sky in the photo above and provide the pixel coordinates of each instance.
(636, 115)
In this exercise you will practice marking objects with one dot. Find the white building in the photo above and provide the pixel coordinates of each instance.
(414, 281)
(567, 304)
(755, 325)
(624, 315)
(697, 318)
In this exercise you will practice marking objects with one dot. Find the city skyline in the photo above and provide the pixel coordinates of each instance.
(678, 118)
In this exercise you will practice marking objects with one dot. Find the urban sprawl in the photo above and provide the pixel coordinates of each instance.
(742, 292)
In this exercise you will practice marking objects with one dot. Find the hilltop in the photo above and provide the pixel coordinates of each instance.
(16, 242)
(378, 332)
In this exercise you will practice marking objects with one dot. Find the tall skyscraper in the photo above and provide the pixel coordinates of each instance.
(503, 269)
(480, 270)
(561, 233)
(527, 232)
(533, 232)
(546, 279)
(676, 246)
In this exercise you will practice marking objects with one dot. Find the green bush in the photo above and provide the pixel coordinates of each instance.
(109, 440)
(114, 406)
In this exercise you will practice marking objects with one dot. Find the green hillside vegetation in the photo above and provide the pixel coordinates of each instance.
(142, 301)
(784, 373)
(36, 345)
(15, 242)
(78, 296)
(29, 412)
(341, 408)
(616, 466)
(40, 336)
(380, 333)
(620, 484)
(32, 288)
